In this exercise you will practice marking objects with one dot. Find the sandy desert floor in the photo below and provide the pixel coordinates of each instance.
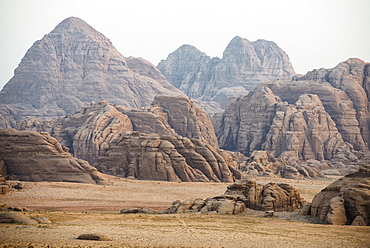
(83, 208)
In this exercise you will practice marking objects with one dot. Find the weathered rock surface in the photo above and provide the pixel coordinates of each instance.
(72, 66)
(89, 131)
(244, 65)
(243, 194)
(185, 118)
(33, 156)
(344, 202)
(262, 163)
(166, 157)
(296, 132)
(4, 186)
(343, 92)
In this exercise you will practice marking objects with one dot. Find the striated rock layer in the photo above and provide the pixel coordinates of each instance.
(295, 132)
(166, 157)
(33, 156)
(89, 131)
(243, 194)
(343, 92)
(244, 65)
(72, 66)
(344, 202)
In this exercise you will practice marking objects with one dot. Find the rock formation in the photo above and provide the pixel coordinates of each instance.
(243, 194)
(166, 157)
(262, 163)
(244, 65)
(297, 132)
(4, 186)
(89, 131)
(344, 202)
(343, 92)
(74, 65)
(33, 156)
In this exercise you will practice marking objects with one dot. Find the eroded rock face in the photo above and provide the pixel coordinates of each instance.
(89, 131)
(74, 65)
(295, 132)
(186, 118)
(244, 65)
(262, 163)
(243, 194)
(33, 156)
(346, 201)
(343, 92)
(166, 157)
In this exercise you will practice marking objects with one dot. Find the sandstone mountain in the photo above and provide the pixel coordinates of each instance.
(320, 116)
(344, 202)
(89, 131)
(243, 194)
(33, 156)
(166, 157)
(244, 65)
(71, 67)
(343, 92)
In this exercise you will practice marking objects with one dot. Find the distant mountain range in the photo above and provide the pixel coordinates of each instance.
(317, 117)
(243, 66)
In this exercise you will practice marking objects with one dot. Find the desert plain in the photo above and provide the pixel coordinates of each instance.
(76, 208)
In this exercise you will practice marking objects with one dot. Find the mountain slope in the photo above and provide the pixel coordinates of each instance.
(244, 65)
(74, 65)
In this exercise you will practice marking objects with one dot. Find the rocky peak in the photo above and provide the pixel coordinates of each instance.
(73, 66)
(76, 27)
(244, 64)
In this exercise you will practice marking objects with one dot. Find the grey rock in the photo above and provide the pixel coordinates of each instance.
(244, 65)
(72, 66)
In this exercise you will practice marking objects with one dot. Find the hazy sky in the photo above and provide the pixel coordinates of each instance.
(314, 33)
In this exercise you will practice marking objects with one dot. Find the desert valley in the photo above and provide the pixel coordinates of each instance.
(102, 150)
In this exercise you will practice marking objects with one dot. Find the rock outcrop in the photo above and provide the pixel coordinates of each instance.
(33, 156)
(243, 194)
(296, 132)
(166, 157)
(343, 92)
(74, 65)
(244, 65)
(4, 186)
(344, 202)
(89, 131)
(262, 163)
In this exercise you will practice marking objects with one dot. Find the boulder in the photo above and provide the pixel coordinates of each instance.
(244, 194)
(137, 211)
(344, 202)
(94, 236)
(33, 156)
(18, 218)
